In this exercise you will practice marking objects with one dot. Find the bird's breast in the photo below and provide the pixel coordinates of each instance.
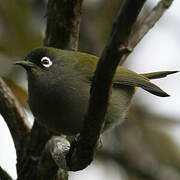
(59, 107)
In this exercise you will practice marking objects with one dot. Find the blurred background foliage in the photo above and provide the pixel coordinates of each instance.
(141, 146)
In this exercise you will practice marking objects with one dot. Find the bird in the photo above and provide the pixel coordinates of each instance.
(59, 83)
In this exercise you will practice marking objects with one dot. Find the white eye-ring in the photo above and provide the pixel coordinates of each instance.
(46, 62)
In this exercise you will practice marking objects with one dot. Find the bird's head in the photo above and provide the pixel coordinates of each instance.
(41, 59)
(47, 64)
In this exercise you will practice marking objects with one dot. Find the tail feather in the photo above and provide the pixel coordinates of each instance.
(153, 89)
(130, 78)
(157, 75)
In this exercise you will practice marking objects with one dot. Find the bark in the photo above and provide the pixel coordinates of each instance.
(63, 20)
(144, 26)
(14, 117)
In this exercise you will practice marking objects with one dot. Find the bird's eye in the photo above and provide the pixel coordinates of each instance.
(46, 62)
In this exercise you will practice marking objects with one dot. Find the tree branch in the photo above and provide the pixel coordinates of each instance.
(54, 154)
(53, 157)
(116, 47)
(146, 24)
(14, 116)
(63, 19)
(27, 165)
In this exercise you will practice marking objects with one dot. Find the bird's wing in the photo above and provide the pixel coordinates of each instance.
(130, 78)
(83, 63)
(86, 65)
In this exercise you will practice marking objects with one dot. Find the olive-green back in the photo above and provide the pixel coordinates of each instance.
(86, 65)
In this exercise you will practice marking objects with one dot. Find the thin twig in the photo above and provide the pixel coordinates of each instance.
(147, 24)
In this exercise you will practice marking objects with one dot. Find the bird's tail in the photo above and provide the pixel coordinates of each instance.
(130, 78)
(157, 75)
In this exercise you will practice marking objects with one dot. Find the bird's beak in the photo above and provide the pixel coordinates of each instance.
(25, 64)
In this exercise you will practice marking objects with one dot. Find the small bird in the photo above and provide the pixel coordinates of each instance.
(59, 88)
